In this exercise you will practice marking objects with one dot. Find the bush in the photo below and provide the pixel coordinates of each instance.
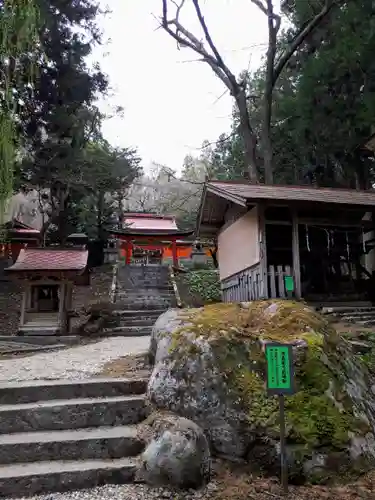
(202, 286)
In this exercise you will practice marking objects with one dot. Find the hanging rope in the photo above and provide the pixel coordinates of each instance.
(328, 241)
(347, 245)
(307, 238)
(363, 242)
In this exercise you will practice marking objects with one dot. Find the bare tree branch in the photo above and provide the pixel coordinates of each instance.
(237, 89)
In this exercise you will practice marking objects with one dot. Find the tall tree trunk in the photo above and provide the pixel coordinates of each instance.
(99, 218)
(249, 138)
(62, 218)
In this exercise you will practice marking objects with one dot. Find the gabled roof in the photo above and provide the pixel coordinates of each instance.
(149, 222)
(50, 259)
(218, 195)
(243, 192)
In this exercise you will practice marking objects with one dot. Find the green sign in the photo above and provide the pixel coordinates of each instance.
(280, 376)
(289, 283)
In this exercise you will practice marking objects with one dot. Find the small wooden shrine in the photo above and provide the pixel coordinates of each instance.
(47, 276)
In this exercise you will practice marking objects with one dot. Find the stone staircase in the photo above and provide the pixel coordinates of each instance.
(362, 314)
(67, 435)
(142, 294)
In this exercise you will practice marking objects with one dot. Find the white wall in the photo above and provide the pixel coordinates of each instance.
(238, 245)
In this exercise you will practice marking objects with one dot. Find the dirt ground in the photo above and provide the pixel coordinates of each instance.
(237, 483)
(128, 367)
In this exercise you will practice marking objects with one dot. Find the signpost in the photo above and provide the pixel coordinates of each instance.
(280, 382)
(289, 285)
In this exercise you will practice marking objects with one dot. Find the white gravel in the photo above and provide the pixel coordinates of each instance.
(72, 363)
(128, 492)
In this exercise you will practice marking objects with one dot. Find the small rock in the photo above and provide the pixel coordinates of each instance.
(178, 454)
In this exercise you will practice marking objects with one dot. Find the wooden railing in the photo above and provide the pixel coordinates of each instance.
(243, 286)
(276, 281)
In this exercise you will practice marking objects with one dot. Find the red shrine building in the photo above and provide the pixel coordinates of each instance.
(18, 236)
(152, 239)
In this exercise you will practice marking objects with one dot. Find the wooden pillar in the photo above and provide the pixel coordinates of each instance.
(129, 252)
(264, 293)
(25, 295)
(296, 255)
(62, 309)
(174, 253)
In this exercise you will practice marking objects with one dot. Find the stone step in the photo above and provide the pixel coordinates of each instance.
(28, 479)
(42, 339)
(145, 306)
(72, 414)
(150, 285)
(343, 309)
(83, 444)
(148, 289)
(129, 331)
(141, 314)
(349, 318)
(150, 294)
(32, 391)
(137, 322)
(366, 323)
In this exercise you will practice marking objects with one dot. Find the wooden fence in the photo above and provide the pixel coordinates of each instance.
(243, 286)
(276, 282)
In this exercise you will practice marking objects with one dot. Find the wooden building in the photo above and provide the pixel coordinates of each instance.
(152, 239)
(47, 276)
(18, 235)
(279, 241)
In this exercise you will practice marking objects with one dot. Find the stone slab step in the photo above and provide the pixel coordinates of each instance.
(42, 339)
(18, 347)
(149, 289)
(129, 331)
(72, 414)
(350, 318)
(36, 390)
(136, 322)
(344, 309)
(366, 323)
(144, 306)
(83, 444)
(142, 314)
(34, 478)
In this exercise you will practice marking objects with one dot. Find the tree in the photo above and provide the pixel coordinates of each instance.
(323, 102)
(162, 192)
(107, 173)
(19, 22)
(238, 87)
(56, 116)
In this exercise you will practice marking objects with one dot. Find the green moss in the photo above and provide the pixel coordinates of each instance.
(320, 414)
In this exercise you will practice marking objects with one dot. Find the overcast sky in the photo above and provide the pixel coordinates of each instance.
(172, 105)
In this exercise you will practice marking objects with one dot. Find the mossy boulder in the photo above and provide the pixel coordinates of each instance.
(210, 367)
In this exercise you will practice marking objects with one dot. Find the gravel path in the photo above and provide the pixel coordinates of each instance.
(127, 492)
(73, 363)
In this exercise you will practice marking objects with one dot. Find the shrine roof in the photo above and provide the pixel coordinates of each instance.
(50, 259)
(156, 233)
(149, 222)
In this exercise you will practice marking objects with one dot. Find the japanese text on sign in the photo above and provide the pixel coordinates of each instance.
(279, 368)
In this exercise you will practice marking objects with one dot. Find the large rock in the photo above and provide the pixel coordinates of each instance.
(210, 368)
(177, 454)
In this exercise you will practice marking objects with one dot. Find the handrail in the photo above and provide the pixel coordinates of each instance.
(175, 287)
(112, 292)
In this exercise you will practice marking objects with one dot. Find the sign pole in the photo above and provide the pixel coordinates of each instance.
(280, 382)
(284, 465)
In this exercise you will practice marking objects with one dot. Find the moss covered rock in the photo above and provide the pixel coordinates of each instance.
(210, 367)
